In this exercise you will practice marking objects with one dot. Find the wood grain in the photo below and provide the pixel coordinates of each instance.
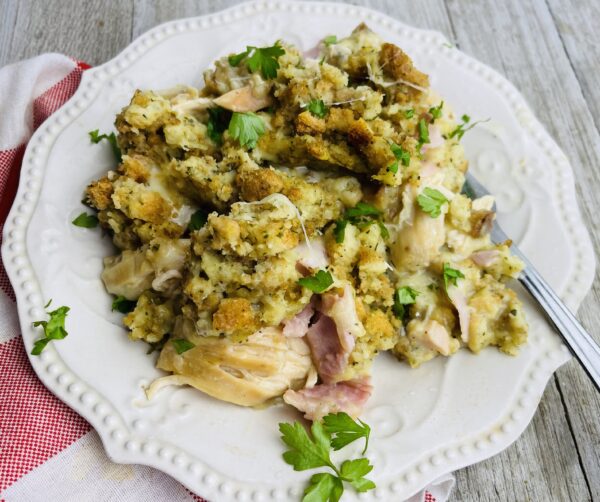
(549, 50)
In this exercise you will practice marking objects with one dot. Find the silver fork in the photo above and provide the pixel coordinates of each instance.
(580, 343)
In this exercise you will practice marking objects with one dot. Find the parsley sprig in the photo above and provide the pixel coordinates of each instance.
(451, 275)
(263, 59)
(317, 283)
(96, 137)
(344, 430)
(403, 296)
(362, 215)
(313, 451)
(402, 156)
(317, 107)
(54, 328)
(431, 201)
(246, 128)
(86, 220)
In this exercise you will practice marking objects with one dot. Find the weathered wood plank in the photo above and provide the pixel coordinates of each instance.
(577, 26)
(430, 14)
(520, 40)
(8, 15)
(89, 30)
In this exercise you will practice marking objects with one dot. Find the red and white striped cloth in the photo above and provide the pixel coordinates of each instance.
(47, 451)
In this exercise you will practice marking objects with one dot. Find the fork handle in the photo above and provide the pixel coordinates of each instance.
(581, 344)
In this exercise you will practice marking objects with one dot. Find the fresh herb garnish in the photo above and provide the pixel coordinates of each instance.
(317, 107)
(403, 296)
(410, 113)
(345, 430)
(260, 58)
(401, 155)
(340, 230)
(308, 452)
(362, 215)
(451, 275)
(362, 209)
(383, 229)
(317, 283)
(96, 137)
(461, 129)
(423, 134)
(431, 201)
(182, 345)
(436, 111)
(330, 40)
(198, 220)
(54, 328)
(86, 220)
(218, 120)
(246, 128)
(123, 305)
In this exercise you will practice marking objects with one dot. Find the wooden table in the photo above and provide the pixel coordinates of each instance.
(550, 49)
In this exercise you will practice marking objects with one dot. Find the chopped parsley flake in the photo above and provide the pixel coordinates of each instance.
(218, 120)
(317, 107)
(410, 113)
(403, 296)
(362, 209)
(96, 137)
(54, 328)
(340, 230)
(317, 283)
(198, 220)
(423, 133)
(401, 155)
(86, 220)
(462, 128)
(451, 275)
(246, 128)
(362, 215)
(431, 201)
(263, 59)
(182, 345)
(330, 40)
(123, 305)
(436, 111)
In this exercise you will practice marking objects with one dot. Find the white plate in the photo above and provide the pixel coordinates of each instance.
(426, 422)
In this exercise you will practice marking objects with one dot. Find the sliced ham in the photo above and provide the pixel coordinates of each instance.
(297, 326)
(342, 310)
(243, 100)
(486, 257)
(349, 396)
(327, 352)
